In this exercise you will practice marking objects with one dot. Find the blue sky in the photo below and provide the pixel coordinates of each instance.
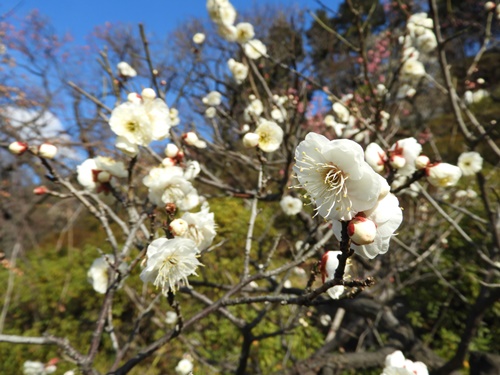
(79, 17)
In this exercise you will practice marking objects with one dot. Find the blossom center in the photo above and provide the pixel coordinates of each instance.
(335, 178)
(131, 126)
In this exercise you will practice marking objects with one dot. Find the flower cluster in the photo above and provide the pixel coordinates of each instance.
(397, 364)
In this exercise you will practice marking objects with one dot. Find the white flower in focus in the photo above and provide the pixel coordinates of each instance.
(254, 49)
(47, 151)
(131, 121)
(244, 32)
(200, 227)
(198, 38)
(125, 70)
(291, 205)
(184, 367)
(93, 172)
(213, 99)
(341, 112)
(336, 176)
(270, 136)
(375, 157)
(159, 117)
(238, 70)
(250, 140)
(329, 264)
(362, 231)
(470, 163)
(443, 174)
(409, 149)
(171, 317)
(170, 262)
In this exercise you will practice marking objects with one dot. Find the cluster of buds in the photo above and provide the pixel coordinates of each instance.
(45, 150)
(191, 139)
(173, 155)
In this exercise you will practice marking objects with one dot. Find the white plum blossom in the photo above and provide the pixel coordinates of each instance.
(375, 157)
(170, 262)
(131, 121)
(238, 70)
(329, 264)
(210, 112)
(129, 149)
(191, 170)
(198, 38)
(228, 32)
(341, 112)
(278, 115)
(168, 185)
(221, 12)
(254, 49)
(470, 163)
(200, 227)
(329, 121)
(159, 116)
(422, 161)
(92, 173)
(39, 368)
(443, 174)
(408, 149)
(412, 70)
(270, 136)
(184, 367)
(255, 108)
(397, 364)
(98, 273)
(291, 205)
(171, 317)
(387, 216)
(171, 150)
(125, 70)
(174, 117)
(244, 32)
(336, 176)
(212, 99)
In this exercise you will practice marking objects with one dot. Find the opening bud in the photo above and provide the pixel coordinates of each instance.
(18, 148)
(362, 230)
(250, 140)
(168, 162)
(171, 150)
(422, 161)
(148, 94)
(134, 97)
(397, 161)
(47, 151)
(178, 227)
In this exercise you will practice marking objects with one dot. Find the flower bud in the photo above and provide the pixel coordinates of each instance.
(198, 38)
(397, 161)
(422, 161)
(362, 230)
(168, 162)
(171, 150)
(40, 190)
(178, 227)
(489, 6)
(148, 94)
(190, 138)
(170, 208)
(103, 177)
(18, 148)
(134, 97)
(46, 150)
(245, 128)
(250, 140)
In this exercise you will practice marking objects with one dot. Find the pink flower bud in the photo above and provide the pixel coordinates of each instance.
(178, 227)
(18, 148)
(362, 230)
(47, 151)
(422, 161)
(40, 190)
(397, 161)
